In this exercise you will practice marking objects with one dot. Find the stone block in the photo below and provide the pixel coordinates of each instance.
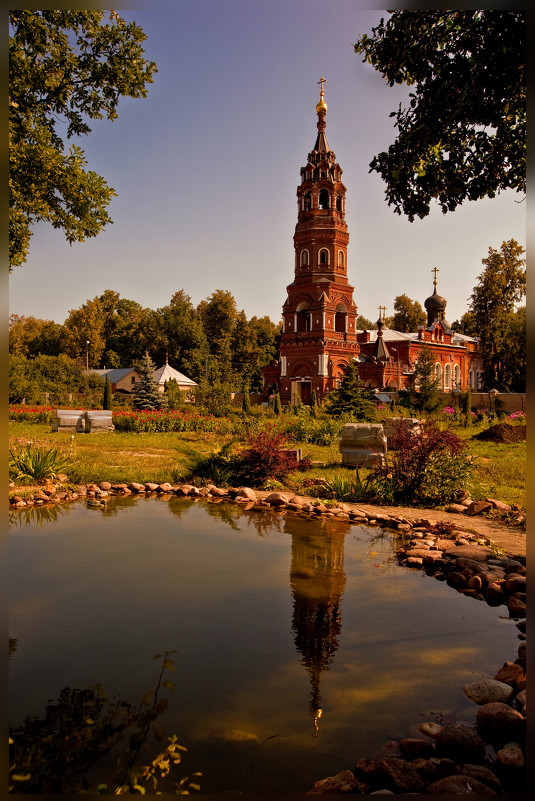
(363, 444)
(68, 420)
(392, 426)
(97, 421)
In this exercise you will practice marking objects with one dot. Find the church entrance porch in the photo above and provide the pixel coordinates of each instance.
(301, 391)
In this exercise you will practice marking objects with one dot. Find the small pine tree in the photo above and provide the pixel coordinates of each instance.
(173, 393)
(107, 400)
(313, 403)
(277, 406)
(350, 397)
(246, 404)
(147, 396)
(427, 399)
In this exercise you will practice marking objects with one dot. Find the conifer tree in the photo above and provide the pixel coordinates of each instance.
(277, 406)
(146, 394)
(350, 397)
(313, 403)
(427, 399)
(246, 405)
(107, 400)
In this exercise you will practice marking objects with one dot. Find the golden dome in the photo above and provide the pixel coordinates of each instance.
(322, 105)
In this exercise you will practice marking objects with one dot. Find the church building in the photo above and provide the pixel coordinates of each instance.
(320, 335)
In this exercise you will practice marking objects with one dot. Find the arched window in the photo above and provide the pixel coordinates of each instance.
(447, 376)
(303, 317)
(340, 258)
(338, 202)
(323, 256)
(438, 373)
(457, 377)
(340, 318)
(304, 258)
(307, 201)
(324, 199)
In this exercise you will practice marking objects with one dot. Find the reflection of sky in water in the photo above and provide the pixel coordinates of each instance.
(273, 618)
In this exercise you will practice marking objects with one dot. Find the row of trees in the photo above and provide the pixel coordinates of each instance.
(213, 342)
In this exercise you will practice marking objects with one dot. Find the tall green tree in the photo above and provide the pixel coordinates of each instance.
(351, 398)
(408, 314)
(83, 325)
(463, 135)
(184, 339)
(218, 314)
(427, 397)
(32, 336)
(466, 325)
(147, 396)
(66, 67)
(363, 324)
(501, 286)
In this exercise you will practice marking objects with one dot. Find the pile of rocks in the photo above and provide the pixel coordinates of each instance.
(489, 506)
(468, 565)
(455, 758)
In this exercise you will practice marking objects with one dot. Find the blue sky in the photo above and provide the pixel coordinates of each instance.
(206, 170)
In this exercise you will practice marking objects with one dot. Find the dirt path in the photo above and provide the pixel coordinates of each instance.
(510, 539)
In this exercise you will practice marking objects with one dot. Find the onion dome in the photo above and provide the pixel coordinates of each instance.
(321, 107)
(435, 305)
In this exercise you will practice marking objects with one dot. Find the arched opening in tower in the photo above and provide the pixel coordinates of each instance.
(324, 199)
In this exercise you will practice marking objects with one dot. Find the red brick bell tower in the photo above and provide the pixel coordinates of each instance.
(319, 315)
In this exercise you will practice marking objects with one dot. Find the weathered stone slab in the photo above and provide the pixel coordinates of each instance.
(363, 444)
(98, 421)
(68, 420)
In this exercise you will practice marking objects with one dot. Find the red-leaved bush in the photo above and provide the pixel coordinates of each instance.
(266, 457)
(425, 465)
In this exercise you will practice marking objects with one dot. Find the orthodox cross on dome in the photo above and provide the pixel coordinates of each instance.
(382, 312)
(435, 270)
(321, 107)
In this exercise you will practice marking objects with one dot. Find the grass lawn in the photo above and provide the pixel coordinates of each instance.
(500, 469)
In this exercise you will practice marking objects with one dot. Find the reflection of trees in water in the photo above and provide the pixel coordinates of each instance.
(227, 513)
(178, 506)
(264, 522)
(40, 515)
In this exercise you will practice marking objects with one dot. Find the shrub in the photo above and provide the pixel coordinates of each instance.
(33, 462)
(31, 414)
(316, 430)
(427, 466)
(266, 458)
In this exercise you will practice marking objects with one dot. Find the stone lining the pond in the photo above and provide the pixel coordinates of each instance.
(452, 759)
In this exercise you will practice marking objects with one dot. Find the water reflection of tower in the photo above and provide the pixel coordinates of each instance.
(317, 580)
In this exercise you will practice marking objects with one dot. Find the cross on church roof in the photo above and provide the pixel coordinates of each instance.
(435, 270)
(322, 80)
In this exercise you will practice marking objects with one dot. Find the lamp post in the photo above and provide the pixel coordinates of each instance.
(87, 357)
(397, 360)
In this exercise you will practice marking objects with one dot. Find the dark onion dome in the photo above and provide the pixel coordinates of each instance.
(435, 301)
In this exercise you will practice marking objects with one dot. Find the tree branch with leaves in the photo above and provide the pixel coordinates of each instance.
(70, 67)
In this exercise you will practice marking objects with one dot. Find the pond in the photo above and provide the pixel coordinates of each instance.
(301, 645)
